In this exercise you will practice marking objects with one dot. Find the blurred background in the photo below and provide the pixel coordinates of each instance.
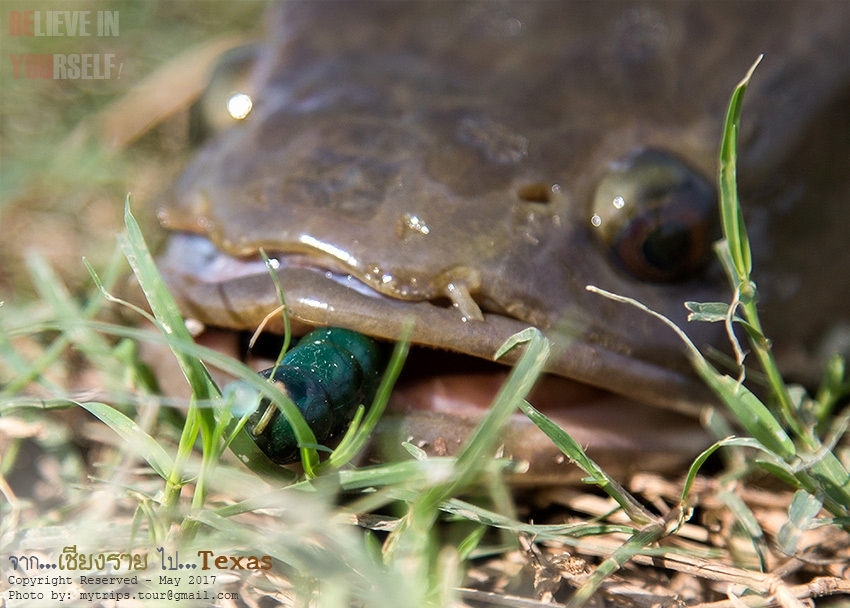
(71, 148)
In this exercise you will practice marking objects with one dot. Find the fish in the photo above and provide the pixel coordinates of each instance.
(470, 167)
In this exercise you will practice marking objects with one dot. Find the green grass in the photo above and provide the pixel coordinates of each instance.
(170, 481)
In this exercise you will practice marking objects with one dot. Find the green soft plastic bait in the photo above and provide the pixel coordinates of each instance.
(327, 375)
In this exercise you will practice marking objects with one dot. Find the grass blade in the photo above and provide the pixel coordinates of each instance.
(730, 211)
(135, 438)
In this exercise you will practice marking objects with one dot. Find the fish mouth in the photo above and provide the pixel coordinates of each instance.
(447, 386)
(232, 292)
(220, 290)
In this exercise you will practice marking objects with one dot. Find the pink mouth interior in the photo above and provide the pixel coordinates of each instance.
(442, 395)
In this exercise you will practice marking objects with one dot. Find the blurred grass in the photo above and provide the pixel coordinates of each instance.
(427, 533)
(61, 182)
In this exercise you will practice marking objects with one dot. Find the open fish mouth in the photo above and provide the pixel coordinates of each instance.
(222, 291)
(444, 391)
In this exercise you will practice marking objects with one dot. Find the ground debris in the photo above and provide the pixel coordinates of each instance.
(712, 560)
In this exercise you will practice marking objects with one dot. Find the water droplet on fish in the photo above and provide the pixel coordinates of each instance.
(239, 105)
(416, 224)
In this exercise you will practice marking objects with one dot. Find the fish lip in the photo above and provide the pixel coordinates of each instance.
(316, 294)
(314, 299)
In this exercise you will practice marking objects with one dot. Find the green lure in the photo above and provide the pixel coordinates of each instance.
(328, 374)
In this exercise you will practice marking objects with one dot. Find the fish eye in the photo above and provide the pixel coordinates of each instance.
(656, 215)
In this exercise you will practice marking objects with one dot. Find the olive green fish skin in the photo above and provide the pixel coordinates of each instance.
(423, 147)
(443, 163)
